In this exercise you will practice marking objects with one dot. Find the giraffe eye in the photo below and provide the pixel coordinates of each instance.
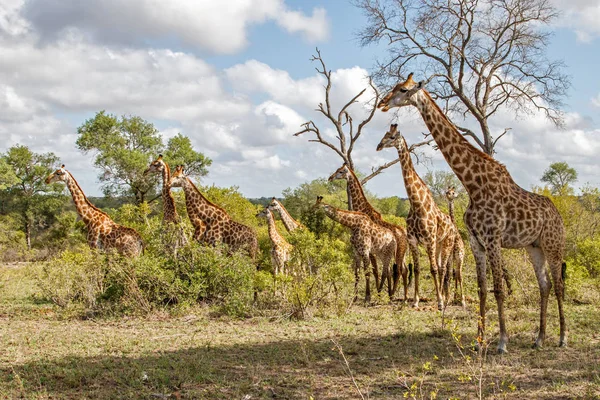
(403, 90)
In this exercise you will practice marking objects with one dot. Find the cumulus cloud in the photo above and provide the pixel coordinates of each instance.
(217, 26)
(582, 16)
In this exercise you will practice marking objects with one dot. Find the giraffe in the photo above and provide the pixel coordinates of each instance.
(500, 214)
(102, 231)
(426, 224)
(360, 203)
(280, 248)
(458, 252)
(170, 216)
(288, 221)
(367, 238)
(220, 228)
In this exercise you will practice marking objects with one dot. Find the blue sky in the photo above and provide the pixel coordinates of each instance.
(236, 78)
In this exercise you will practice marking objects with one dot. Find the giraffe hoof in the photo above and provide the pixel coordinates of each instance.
(562, 343)
(502, 350)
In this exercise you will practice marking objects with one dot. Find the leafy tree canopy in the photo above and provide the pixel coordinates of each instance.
(125, 145)
(560, 177)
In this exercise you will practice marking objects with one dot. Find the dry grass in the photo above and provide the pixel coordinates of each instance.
(391, 352)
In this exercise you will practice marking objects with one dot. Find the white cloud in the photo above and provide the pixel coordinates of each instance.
(48, 90)
(217, 26)
(582, 16)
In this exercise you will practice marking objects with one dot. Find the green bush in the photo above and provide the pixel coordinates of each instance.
(75, 277)
(319, 278)
(102, 282)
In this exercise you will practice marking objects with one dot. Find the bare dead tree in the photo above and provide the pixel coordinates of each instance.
(478, 55)
(347, 133)
(412, 148)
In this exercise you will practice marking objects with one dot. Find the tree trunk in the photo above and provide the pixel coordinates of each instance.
(350, 207)
(487, 138)
(28, 234)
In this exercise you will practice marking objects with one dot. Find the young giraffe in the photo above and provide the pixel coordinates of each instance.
(103, 232)
(367, 238)
(426, 223)
(220, 228)
(458, 252)
(170, 216)
(290, 223)
(280, 248)
(500, 214)
(360, 203)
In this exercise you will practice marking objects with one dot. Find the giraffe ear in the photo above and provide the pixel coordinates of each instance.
(394, 127)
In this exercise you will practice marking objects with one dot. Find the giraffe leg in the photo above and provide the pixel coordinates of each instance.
(414, 250)
(365, 260)
(495, 259)
(445, 264)
(433, 267)
(459, 257)
(357, 262)
(538, 259)
(557, 269)
(378, 280)
(480, 266)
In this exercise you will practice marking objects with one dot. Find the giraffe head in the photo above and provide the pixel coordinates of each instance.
(392, 138)
(157, 165)
(264, 213)
(178, 177)
(342, 172)
(451, 193)
(319, 203)
(274, 205)
(60, 174)
(401, 95)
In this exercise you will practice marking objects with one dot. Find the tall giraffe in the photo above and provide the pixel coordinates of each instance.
(288, 221)
(280, 248)
(367, 238)
(360, 203)
(426, 224)
(500, 214)
(102, 231)
(170, 216)
(220, 228)
(458, 252)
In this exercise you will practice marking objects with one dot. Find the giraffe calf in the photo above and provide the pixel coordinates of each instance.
(367, 238)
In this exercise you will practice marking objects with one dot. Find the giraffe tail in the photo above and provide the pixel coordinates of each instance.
(563, 271)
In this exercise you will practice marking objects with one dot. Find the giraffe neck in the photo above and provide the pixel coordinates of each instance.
(86, 210)
(199, 206)
(289, 222)
(169, 210)
(273, 233)
(451, 210)
(346, 218)
(471, 165)
(359, 200)
(418, 192)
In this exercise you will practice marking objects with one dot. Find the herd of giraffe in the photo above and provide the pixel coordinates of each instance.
(500, 215)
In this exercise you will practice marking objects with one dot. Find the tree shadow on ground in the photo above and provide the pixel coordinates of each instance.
(383, 367)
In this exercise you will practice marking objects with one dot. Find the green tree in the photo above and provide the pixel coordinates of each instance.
(28, 197)
(560, 177)
(439, 181)
(7, 175)
(180, 152)
(124, 146)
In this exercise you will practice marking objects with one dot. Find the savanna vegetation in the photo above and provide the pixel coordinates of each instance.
(203, 323)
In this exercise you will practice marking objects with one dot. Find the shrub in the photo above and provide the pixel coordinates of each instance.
(320, 279)
(73, 277)
(103, 282)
